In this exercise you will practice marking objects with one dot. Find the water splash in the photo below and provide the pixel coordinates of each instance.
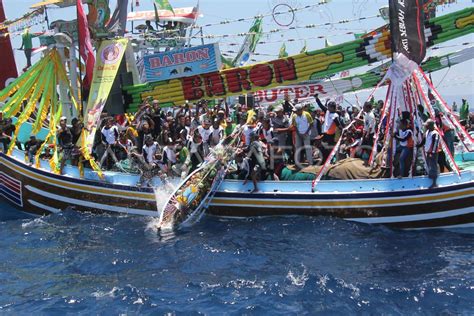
(298, 278)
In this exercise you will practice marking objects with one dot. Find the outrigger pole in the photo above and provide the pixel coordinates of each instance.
(81, 106)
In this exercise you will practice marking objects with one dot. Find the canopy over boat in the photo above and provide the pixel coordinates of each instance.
(184, 15)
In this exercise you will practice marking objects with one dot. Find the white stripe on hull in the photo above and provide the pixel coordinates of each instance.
(454, 227)
(344, 203)
(44, 207)
(93, 205)
(85, 188)
(412, 218)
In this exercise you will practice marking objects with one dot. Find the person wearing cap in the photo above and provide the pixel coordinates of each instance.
(302, 121)
(430, 145)
(64, 137)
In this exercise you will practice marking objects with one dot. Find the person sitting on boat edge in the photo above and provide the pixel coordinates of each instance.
(64, 137)
(243, 166)
(31, 148)
(430, 143)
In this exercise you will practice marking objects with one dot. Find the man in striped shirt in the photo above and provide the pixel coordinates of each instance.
(431, 147)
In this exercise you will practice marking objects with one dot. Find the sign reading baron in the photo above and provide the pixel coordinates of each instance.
(182, 63)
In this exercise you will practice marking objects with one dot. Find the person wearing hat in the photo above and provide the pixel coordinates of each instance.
(430, 145)
(302, 121)
(281, 126)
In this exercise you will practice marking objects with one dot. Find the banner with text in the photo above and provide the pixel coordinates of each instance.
(181, 63)
(326, 89)
(407, 28)
(108, 59)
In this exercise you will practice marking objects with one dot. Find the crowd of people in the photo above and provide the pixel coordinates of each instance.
(172, 142)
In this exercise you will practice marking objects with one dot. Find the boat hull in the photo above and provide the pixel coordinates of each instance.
(398, 203)
(41, 192)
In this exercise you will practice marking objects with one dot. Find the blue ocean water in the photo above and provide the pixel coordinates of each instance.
(90, 264)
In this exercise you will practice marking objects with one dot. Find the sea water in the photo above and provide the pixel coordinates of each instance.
(107, 264)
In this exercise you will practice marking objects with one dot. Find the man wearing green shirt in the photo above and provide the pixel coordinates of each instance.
(464, 112)
(27, 45)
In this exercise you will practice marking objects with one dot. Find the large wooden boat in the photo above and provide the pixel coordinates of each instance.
(405, 203)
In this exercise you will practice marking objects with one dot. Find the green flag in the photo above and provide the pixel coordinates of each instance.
(164, 5)
(283, 52)
(250, 43)
(303, 50)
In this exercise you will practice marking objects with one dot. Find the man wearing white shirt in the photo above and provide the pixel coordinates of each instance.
(302, 122)
(110, 137)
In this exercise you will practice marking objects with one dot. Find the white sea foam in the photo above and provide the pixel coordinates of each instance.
(37, 222)
(101, 294)
(298, 279)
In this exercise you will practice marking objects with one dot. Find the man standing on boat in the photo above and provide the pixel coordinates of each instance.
(302, 122)
(331, 122)
(369, 127)
(431, 146)
(110, 138)
(27, 45)
(281, 126)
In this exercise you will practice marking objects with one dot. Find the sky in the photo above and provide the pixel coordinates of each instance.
(453, 83)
